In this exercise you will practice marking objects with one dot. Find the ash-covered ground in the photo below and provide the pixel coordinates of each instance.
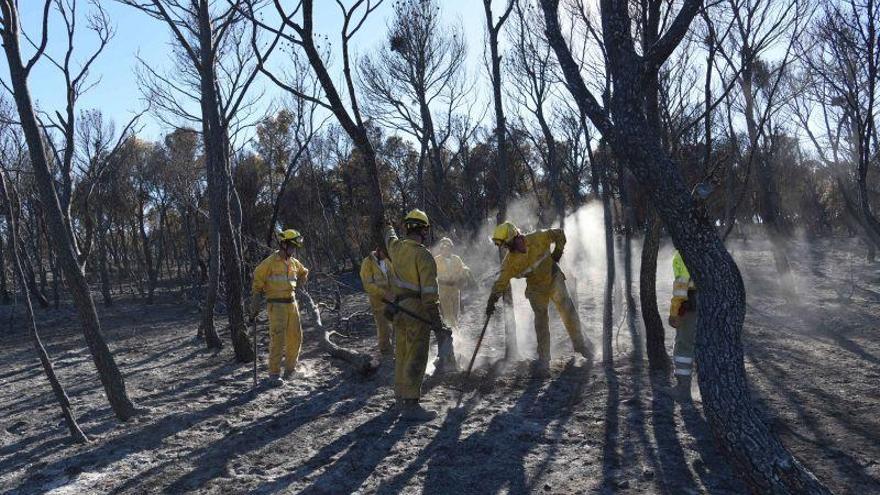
(813, 363)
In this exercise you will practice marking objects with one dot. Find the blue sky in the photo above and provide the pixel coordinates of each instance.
(118, 95)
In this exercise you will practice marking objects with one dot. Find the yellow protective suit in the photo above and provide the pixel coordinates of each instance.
(683, 308)
(545, 282)
(276, 277)
(376, 284)
(452, 276)
(414, 284)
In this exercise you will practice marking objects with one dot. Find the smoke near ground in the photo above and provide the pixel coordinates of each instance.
(813, 369)
(583, 264)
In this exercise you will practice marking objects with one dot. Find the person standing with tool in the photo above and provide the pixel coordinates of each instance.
(452, 276)
(375, 270)
(277, 277)
(415, 311)
(529, 256)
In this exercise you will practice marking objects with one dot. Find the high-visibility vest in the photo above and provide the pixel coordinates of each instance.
(277, 277)
(374, 279)
(536, 265)
(413, 276)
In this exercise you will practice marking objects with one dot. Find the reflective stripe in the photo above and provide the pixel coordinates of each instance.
(683, 359)
(680, 287)
(403, 284)
(280, 278)
(528, 271)
(684, 372)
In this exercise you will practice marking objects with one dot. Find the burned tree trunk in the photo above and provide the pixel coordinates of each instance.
(493, 27)
(362, 363)
(4, 290)
(57, 388)
(219, 192)
(600, 183)
(760, 458)
(655, 332)
(111, 378)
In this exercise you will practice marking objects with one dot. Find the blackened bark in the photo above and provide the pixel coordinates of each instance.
(600, 171)
(353, 126)
(493, 28)
(111, 378)
(219, 192)
(57, 388)
(756, 452)
(147, 249)
(31, 280)
(4, 291)
(104, 271)
(655, 332)
(626, 185)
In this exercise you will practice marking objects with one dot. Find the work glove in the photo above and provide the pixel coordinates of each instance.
(674, 321)
(556, 255)
(490, 305)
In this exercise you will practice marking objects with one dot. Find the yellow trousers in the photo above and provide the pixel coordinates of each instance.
(540, 301)
(285, 336)
(450, 304)
(410, 357)
(383, 326)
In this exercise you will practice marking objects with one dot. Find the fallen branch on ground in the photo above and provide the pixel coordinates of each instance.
(362, 363)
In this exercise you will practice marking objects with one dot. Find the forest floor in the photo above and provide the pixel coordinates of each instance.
(814, 368)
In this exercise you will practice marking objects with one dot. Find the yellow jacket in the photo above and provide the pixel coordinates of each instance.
(681, 285)
(414, 277)
(536, 265)
(451, 271)
(374, 279)
(277, 277)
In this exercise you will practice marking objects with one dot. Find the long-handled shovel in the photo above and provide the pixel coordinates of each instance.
(474, 357)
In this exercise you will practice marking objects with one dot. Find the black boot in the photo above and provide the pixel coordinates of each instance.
(682, 390)
(411, 410)
(584, 347)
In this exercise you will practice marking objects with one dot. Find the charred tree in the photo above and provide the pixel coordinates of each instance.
(655, 332)
(58, 389)
(19, 70)
(760, 458)
(502, 159)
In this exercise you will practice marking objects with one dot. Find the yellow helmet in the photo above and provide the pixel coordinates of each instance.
(290, 235)
(416, 218)
(446, 242)
(504, 233)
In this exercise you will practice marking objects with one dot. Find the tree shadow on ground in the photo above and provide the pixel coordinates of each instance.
(494, 445)
(365, 448)
(134, 440)
(211, 461)
(827, 405)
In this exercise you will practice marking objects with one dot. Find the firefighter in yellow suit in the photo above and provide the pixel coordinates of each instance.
(452, 276)
(416, 313)
(277, 277)
(529, 256)
(683, 317)
(375, 271)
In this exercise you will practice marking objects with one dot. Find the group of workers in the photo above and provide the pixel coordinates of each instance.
(413, 294)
